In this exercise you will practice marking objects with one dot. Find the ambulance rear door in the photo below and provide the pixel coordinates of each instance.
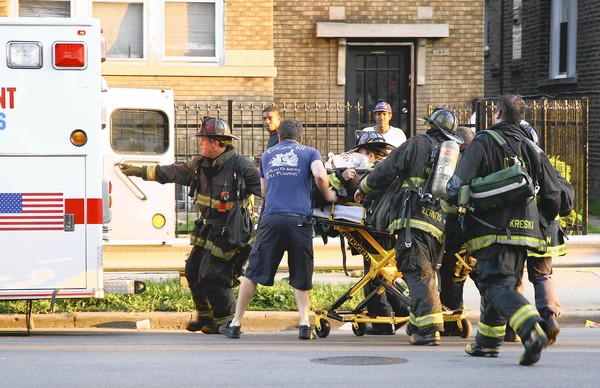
(139, 130)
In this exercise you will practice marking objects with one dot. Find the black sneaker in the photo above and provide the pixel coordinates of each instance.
(305, 333)
(229, 331)
(533, 346)
(552, 329)
(425, 339)
(477, 350)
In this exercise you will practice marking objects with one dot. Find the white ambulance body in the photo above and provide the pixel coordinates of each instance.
(51, 188)
(138, 129)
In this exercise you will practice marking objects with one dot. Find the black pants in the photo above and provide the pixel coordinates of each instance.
(500, 268)
(418, 265)
(212, 296)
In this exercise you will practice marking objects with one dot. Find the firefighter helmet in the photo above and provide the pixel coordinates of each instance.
(444, 120)
(371, 140)
(216, 127)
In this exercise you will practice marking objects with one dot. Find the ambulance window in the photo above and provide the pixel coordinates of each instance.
(134, 131)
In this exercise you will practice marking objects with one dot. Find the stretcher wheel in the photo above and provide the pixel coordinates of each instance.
(359, 329)
(324, 330)
(465, 332)
(458, 326)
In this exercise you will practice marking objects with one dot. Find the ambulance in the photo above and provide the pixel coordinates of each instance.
(54, 195)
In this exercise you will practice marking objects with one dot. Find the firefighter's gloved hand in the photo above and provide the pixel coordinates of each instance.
(130, 170)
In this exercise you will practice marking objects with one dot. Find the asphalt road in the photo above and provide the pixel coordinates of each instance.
(121, 358)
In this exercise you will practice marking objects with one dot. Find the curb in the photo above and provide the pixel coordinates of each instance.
(254, 321)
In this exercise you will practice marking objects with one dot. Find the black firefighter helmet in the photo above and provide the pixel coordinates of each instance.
(444, 120)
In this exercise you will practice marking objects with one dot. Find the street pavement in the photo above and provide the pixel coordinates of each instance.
(577, 276)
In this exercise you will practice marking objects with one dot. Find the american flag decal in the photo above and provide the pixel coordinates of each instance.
(32, 211)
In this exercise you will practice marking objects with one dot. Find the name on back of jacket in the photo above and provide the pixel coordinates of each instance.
(7, 101)
(521, 224)
(431, 214)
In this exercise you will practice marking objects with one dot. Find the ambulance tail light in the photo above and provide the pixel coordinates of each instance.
(69, 55)
(24, 55)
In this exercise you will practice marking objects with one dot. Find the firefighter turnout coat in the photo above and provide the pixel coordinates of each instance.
(523, 223)
(214, 178)
(411, 163)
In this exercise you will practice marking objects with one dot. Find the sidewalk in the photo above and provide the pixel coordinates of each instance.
(577, 288)
(577, 277)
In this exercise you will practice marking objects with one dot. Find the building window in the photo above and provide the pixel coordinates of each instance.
(145, 32)
(189, 29)
(122, 28)
(45, 9)
(563, 39)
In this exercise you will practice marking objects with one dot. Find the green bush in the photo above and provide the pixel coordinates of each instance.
(169, 295)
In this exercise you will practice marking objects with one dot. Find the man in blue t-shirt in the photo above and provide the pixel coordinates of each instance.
(286, 172)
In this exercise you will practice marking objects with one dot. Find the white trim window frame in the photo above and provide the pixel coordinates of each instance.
(194, 45)
(563, 39)
(209, 48)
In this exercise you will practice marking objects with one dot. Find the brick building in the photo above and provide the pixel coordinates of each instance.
(411, 53)
(547, 48)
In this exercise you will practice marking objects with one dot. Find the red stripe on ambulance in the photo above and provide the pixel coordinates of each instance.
(76, 207)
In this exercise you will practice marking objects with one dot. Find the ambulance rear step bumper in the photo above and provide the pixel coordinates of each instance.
(123, 286)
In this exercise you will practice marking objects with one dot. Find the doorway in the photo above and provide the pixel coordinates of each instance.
(378, 72)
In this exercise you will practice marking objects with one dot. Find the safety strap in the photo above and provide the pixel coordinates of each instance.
(503, 143)
(424, 190)
(511, 154)
(344, 255)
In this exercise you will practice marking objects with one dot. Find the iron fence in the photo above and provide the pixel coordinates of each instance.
(325, 125)
(562, 126)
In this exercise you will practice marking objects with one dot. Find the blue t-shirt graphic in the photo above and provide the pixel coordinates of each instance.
(286, 170)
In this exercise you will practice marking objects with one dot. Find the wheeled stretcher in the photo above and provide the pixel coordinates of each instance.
(348, 221)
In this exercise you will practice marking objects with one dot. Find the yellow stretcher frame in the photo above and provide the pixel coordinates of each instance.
(383, 271)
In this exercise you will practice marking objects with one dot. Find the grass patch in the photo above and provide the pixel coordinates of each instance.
(594, 207)
(594, 210)
(169, 295)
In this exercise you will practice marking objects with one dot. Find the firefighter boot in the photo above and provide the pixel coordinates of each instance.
(534, 344)
(551, 328)
(477, 350)
(510, 335)
(432, 339)
(204, 324)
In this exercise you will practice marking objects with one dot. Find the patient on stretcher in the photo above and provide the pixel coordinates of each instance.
(345, 172)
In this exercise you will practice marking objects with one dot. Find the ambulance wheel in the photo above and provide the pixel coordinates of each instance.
(466, 328)
(359, 329)
(325, 328)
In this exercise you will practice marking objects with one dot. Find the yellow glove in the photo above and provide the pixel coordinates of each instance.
(130, 170)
